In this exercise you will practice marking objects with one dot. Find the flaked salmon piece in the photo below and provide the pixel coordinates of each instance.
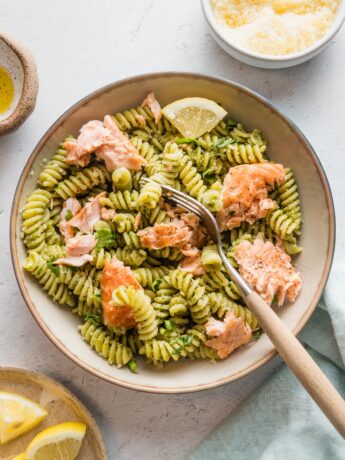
(190, 219)
(107, 214)
(154, 106)
(115, 156)
(74, 261)
(199, 236)
(80, 245)
(228, 334)
(70, 207)
(86, 218)
(245, 193)
(92, 136)
(118, 152)
(74, 155)
(114, 275)
(192, 264)
(174, 234)
(190, 251)
(268, 270)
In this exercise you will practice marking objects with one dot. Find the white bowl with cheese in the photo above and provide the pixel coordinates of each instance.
(256, 44)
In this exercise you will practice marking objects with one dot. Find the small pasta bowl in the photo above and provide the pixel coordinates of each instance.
(266, 61)
(287, 145)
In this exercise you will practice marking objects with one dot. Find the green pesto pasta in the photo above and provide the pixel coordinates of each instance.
(170, 304)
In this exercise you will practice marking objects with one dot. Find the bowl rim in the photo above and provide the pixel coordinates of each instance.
(311, 50)
(26, 171)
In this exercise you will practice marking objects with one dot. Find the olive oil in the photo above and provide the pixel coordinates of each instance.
(6, 90)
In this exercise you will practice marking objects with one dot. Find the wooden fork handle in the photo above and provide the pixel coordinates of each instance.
(300, 362)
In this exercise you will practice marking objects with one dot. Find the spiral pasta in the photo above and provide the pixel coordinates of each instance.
(50, 282)
(55, 169)
(149, 196)
(210, 257)
(146, 276)
(82, 181)
(143, 311)
(105, 345)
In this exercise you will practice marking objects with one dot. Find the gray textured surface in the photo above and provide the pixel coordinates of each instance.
(81, 45)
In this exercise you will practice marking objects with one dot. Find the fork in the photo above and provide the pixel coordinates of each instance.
(287, 345)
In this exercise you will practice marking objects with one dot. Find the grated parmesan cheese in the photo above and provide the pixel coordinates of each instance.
(275, 26)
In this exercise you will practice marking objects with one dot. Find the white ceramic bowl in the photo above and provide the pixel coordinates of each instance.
(264, 60)
(287, 145)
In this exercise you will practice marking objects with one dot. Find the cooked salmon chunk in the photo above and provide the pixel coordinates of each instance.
(114, 275)
(80, 245)
(70, 208)
(192, 263)
(227, 335)
(109, 144)
(74, 261)
(92, 136)
(268, 270)
(86, 218)
(174, 234)
(245, 193)
(154, 106)
(119, 152)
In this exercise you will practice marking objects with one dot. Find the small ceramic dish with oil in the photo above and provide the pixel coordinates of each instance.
(18, 84)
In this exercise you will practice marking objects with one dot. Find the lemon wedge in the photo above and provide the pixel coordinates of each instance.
(194, 116)
(19, 457)
(18, 415)
(57, 442)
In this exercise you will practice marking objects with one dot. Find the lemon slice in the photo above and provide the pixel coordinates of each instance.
(18, 415)
(19, 457)
(194, 116)
(57, 442)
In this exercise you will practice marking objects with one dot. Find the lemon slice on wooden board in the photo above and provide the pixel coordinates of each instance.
(194, 116)
(19, 457)
(62, 441)
(18, 415)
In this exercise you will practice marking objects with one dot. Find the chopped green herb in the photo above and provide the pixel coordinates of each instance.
(207, 172)
(156, 283)
(69, 214)
(94, 319)
(230, 123)
(187, 140)
(132, 366)
(224, 142)
(231, 213)
(177, 351)
(54, 268)
(105, 238)
(98, 295)
(257, 334)
(169, 325)
(187, 340)
(275, 299)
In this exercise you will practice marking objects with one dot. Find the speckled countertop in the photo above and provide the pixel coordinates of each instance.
(81, 45)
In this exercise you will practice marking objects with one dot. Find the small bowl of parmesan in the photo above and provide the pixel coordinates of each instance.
(274, 34)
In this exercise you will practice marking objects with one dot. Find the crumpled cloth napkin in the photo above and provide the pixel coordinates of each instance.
(280, 421)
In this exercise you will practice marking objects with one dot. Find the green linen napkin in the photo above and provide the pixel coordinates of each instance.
(280, 421)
